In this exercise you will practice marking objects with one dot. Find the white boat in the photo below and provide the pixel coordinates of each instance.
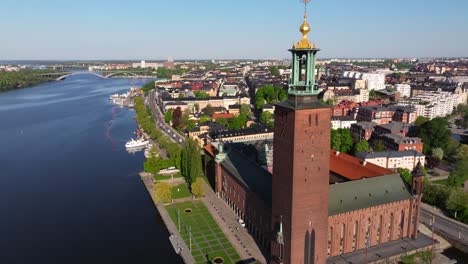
(114, 96)
(136, 143)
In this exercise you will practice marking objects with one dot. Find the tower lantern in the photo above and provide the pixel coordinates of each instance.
(302, 81)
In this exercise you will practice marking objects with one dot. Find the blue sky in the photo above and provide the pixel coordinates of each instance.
(188, 29)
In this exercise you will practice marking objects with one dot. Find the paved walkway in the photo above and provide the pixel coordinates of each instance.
(385, 252)
(443, 224)
(176, 239)
(227, 221)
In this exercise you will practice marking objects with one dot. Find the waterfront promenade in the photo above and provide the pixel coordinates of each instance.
(175, 238)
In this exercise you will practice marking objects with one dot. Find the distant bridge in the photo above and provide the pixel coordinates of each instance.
(62, 75)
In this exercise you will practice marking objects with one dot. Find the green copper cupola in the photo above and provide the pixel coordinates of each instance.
(302, 81)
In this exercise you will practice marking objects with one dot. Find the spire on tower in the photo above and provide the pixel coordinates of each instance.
(304, 29)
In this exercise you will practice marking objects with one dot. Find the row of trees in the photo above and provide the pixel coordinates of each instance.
(343, 141)
(269, 95)
(10, 80)
(187, 159)
(164, 190)
(462, 122)
(451, 199)
(172, 149)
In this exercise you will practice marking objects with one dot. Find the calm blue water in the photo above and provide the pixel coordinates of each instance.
(69, 192)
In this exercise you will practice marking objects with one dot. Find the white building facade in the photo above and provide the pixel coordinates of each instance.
(404, 89)
(375, 81)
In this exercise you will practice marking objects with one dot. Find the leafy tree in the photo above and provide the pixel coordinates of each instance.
(457, 202)
(176, 116)
(190, 125)
(335, 141)
(460, 174)
(163, 192)
(372, 93)
(451, 149)
(438, 153)
(435, 194)
(222, 121)
(458, 122)
(208, 110)
(197, 187)
(462, 151)
(421, 120)
(201, 95)
(191, 165)
(434, 134)
(267, 118)
(197, 107)
(361, 146)
(168, 115)
(237, 122)
(10, 80)
(406, 175)
(269, 94)
(378, 145)
(184, 119)
(245, 110)
(204, 119)
(274, 70)
(346, 140)
(148, 87)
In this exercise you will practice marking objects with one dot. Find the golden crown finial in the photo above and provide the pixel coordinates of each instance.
(304, 29)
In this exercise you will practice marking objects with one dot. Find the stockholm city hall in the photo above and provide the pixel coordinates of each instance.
(317, 203)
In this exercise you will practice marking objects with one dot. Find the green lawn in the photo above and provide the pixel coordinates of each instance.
(442, 182)
(180, 191)
(158, 177)
(208, 240)
(420, 257)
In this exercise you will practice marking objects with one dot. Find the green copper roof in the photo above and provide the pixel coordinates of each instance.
(254, 177)
(354, 195)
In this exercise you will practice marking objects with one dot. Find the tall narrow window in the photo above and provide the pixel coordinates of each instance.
(379, 230)
(330, 235)
(316, 119)
(310, 120)
(389, 227)
(355, 231)
(402, 223)
(342, 231)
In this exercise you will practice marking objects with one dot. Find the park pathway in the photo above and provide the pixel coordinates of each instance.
(227, 221)
(175, 238)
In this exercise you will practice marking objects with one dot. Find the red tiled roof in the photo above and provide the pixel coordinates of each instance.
(222, 115)
(353, 168)
(342, 164)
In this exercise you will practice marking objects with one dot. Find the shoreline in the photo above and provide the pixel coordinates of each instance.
(175, 238)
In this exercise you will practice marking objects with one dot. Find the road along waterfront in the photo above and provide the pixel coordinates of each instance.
(69, 192)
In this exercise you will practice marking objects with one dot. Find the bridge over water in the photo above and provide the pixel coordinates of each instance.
(104, 74)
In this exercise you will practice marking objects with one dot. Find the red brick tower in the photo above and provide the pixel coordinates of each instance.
(416, 191)
(301, 165)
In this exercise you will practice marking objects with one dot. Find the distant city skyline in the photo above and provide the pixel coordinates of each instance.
(155, 30)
